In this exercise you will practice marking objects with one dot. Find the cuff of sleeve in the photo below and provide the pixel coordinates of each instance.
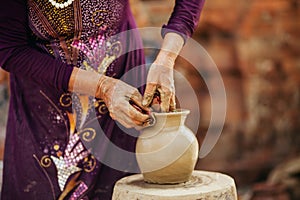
(167, 29)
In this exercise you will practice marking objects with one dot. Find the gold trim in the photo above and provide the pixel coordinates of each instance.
(68, 99)
(88, 134)
(90, 164)
(46, 161)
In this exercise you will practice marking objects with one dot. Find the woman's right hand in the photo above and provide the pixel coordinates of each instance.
(124, 102)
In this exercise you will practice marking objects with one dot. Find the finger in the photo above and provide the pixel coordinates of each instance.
(149, 122)
(165, 97)
(130, 122)
(172, 103)
(136, 116)
(149, 93)
(130, 117)
(136, 101)
(122, 119)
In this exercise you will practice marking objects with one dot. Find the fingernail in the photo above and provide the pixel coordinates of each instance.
(144, 102)
(146, 124)
(149, 122)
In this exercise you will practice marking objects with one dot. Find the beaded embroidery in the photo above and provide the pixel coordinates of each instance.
(79, 191)
(63, 171)
(80, 34)
(94, 15)
(61, 5)
(99, 53)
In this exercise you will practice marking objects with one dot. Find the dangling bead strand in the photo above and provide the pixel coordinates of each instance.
(61, 5)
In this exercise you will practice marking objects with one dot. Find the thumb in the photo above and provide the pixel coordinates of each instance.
(148, 94)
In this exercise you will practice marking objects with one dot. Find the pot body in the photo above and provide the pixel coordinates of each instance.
(168, 151)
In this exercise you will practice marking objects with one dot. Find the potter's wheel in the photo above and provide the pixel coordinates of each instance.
(202, 184)
(195, 181)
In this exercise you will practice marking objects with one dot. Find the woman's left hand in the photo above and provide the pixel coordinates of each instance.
(160, 76)
(161, 80)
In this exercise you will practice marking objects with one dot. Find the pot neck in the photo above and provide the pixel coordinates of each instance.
(171, 119)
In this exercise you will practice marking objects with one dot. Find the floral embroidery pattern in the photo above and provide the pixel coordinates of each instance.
(99, 52)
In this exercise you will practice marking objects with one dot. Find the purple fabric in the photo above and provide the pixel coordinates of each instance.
(38, 126)
(19, 56)
(184, 18)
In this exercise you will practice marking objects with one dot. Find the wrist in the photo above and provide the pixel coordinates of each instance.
(170, 49)
(166, 59)
(83, 81)
(172, 43)
(102, 86)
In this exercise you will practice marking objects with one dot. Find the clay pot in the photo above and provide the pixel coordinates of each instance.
(167, 151)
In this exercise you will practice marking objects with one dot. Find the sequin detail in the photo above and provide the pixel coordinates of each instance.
(63, 171)
(79, 191)
(75, 151)
(95, 14)
(98, 14)
(66, 165)
(99, 52)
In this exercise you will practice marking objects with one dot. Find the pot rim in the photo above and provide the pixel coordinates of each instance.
(176, 112)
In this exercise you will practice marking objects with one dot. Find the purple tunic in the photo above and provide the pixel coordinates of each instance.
(58, 144)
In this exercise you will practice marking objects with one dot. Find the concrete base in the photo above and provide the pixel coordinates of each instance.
(202, 185)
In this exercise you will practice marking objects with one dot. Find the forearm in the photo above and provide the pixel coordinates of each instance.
(85, 82)
(170, 49)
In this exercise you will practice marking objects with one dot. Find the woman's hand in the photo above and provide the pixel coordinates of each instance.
(160, 77)
(123, 101)
(160, 81)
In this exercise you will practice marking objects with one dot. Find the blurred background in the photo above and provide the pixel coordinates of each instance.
(256, 47)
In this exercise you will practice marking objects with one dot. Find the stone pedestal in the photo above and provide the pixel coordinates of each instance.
(202, 185)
